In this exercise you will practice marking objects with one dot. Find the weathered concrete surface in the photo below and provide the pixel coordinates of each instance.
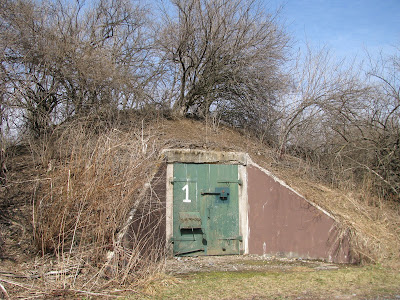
(282, 223)
(204, 156)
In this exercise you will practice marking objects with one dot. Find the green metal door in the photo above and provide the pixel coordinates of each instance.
(205, 209)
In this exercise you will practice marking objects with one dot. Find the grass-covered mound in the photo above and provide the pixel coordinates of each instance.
(69, 194)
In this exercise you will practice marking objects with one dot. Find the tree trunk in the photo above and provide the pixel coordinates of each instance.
(180, 107)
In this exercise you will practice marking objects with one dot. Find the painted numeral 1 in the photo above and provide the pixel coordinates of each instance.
(186, 187)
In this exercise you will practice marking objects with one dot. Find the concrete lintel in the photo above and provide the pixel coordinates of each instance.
(204, 156)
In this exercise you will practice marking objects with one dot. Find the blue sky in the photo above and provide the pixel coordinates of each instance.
(348, 28)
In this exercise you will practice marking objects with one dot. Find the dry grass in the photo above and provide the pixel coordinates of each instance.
(90, 192)
(86, 184)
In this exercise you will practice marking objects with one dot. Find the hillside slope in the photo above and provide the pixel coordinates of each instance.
(68, 196)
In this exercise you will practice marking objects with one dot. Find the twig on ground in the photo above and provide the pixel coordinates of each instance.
(93, 293)
(4, 291)
(16, 284)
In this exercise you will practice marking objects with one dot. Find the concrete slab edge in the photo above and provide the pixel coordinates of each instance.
(203, 156)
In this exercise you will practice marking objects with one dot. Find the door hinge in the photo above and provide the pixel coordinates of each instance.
(239, 238)
(239, 182)
(173, 180)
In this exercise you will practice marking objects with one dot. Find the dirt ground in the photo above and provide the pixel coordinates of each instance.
(257, 277)
(184, 265)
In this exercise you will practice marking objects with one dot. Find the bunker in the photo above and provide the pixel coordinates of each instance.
(222, 203)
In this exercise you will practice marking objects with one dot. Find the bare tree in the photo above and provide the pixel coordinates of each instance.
(106, 49)
(347, 123)
(222, 55)
(382, 126)
(24, 83)
(326, 95)
(61, 59)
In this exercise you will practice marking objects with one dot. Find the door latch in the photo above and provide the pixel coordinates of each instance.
(222, 192)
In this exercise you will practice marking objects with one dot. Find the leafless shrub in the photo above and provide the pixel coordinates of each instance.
(344, 123)
(90, 193)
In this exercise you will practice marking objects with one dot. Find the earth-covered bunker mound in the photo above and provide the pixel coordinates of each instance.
(217, 203)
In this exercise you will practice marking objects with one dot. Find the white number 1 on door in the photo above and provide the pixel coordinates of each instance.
(186, 187)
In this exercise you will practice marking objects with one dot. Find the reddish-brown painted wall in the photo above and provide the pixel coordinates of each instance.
(147, 230)
(283, 223)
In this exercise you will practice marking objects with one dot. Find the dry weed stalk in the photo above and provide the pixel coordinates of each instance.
(95, 182)
(140, 248)
(4, 292)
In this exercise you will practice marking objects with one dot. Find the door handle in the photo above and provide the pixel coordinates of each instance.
(210, 193)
